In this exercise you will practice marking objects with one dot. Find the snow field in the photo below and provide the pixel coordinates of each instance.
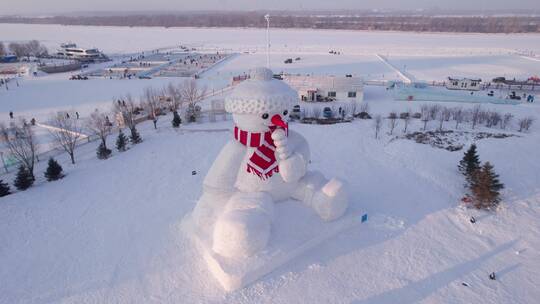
(109, 230)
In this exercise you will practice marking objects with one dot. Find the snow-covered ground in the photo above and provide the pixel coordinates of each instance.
(486, 67)
(110, 231)
(134, 39)
(424, 56)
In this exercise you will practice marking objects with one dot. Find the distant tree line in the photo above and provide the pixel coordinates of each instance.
(24, 49)
(398, 22)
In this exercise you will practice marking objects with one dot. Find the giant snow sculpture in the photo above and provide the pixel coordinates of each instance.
(263, 163)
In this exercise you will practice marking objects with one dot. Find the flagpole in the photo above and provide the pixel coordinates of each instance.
(267, 17)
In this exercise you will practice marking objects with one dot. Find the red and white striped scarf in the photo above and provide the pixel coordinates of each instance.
(263, 161)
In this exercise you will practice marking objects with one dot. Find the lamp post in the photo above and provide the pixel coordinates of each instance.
(267, 17)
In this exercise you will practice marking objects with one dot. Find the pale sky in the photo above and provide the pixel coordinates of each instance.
(63, 6)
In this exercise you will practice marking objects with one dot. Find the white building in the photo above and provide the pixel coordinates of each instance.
(326, 88)
(463, 83)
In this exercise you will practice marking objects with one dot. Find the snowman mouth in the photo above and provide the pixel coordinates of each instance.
(277, 121)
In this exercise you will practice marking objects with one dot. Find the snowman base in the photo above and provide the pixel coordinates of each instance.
(296, 230)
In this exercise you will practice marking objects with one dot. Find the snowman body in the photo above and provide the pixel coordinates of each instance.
(262, 164)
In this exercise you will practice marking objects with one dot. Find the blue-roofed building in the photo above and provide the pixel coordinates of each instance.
(8, 58)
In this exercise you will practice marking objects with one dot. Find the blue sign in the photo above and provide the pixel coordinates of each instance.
(364, 218)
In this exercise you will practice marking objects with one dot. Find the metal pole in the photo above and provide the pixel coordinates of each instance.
(267, 17)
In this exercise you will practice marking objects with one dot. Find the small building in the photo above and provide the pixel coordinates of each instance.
(463, 83)
(326, 88)
(8, 59)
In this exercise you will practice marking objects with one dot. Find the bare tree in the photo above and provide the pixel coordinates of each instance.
(2, 49)
(191, 95)
(458, 116)
(406, 120)
(99, 125)
(377, 123)
(392, 121)
(475, 115)
(364, 107)
(31, 48)
(66, 132)
(525, 123)
(507, 118)
(493, 119)
(21, 142)
(125, 110)
(353, 108)
(434, 111)
(34, 48)
(447, 113)
(444, 115)
(152, 104)
(17, 49)
(175, 93)
(426, 117)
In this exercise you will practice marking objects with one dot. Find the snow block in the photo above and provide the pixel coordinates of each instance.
(295, 231)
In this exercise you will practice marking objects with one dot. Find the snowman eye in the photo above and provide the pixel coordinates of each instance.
(285, 112)
(265, 116)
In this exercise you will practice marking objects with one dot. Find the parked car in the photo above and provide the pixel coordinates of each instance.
(514, 96)
(289, 60)
(327, 112)
(295, 114)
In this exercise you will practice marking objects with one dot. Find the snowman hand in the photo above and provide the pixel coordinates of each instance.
(280, 141)
(292, 166)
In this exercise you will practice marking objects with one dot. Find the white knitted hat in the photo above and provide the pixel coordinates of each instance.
(261, 94)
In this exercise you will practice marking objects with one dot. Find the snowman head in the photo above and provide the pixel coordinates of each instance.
(261, 102)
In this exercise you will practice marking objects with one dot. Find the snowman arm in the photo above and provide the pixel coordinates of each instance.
(222, 175)
(300, 145)
(293, 154)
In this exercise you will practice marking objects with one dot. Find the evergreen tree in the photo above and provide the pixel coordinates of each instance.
(121, 141)
(176, 120)
(54, 170)
(135, 137)
(485, 188)
(102, 151)
(24, 178)
(4, 188)
(469, 164)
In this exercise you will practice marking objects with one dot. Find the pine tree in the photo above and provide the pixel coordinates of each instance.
(135, 138)
(102, 151)
(485, 188)
(54, 170)
(121, 141)
(24, 178)
(4, 188)
(176, 120)
(469, 164)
